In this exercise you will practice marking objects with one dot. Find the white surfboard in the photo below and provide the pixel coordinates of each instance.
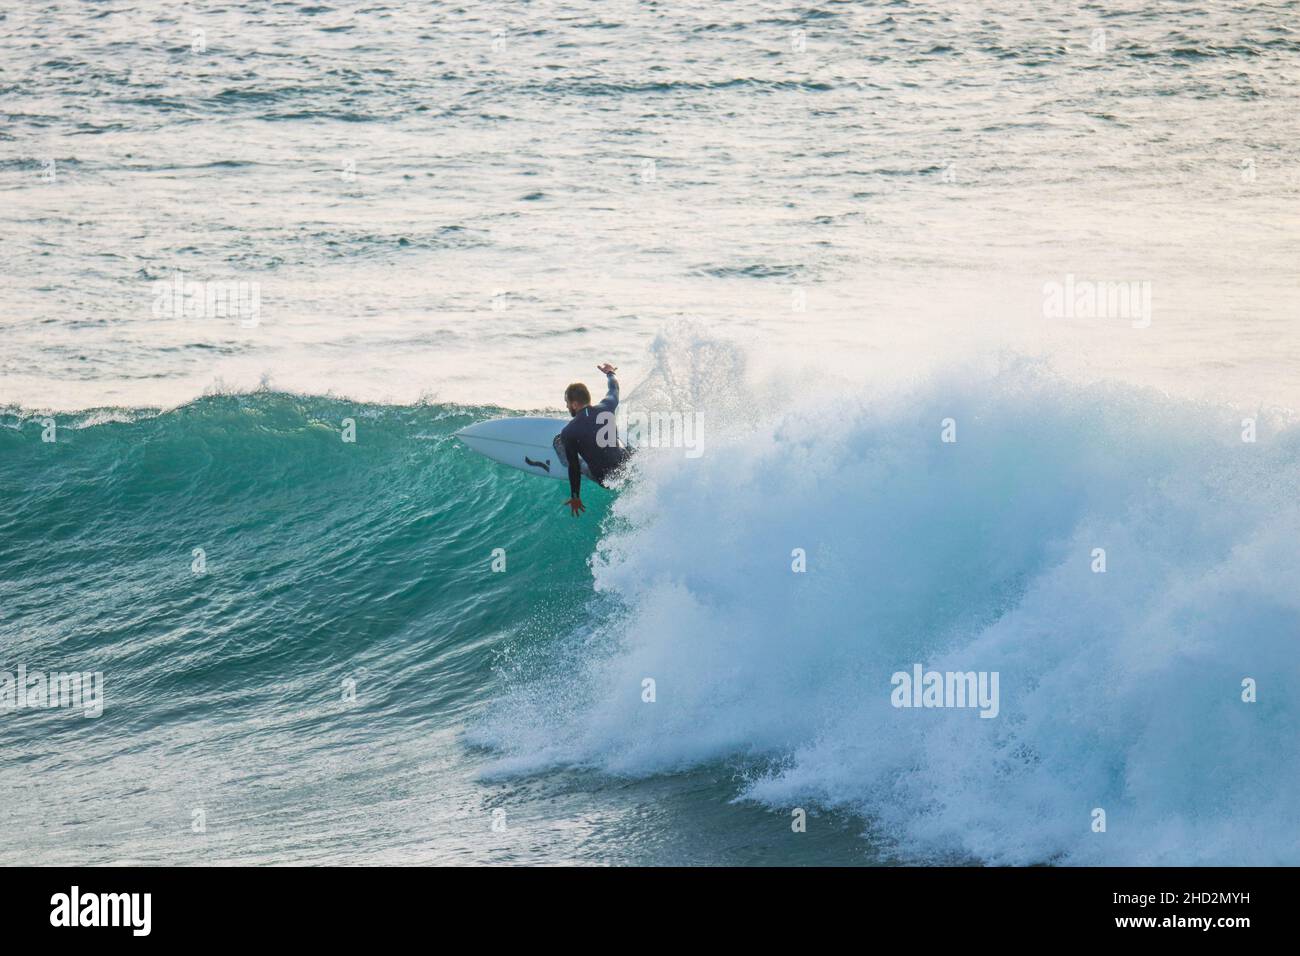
(524, 443)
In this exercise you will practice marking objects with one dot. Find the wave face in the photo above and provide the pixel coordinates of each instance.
(316, 550)
(329, 561)
(325, 562)
(1119, 690)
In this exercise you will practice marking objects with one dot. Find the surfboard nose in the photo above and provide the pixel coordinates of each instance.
(524, 442)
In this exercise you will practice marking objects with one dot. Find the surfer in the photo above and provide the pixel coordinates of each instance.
(592, 435)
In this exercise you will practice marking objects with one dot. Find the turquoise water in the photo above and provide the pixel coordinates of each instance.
(325, 561)
(520, 690)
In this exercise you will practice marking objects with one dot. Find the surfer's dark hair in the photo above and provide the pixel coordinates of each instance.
(577, 392)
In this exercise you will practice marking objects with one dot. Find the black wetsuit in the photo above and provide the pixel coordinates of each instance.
(593, 435)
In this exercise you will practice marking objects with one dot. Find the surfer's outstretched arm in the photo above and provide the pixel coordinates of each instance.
(610, 401)
(575, 474)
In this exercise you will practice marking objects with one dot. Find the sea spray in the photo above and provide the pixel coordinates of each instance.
(1118, 690)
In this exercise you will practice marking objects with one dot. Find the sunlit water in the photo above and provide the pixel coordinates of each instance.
(479, 202)
(447, 210)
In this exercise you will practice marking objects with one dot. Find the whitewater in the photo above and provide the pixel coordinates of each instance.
(370, 563)
(1121, 689)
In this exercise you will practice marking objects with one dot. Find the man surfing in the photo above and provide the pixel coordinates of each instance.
(592, 435)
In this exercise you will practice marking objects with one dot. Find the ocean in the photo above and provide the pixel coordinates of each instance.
(959, 295)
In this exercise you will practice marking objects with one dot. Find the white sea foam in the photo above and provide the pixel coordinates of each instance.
(1120, 690)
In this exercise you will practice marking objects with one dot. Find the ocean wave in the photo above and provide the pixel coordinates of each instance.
(1120, 690)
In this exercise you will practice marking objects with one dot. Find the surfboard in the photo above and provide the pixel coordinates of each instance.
(524, 443)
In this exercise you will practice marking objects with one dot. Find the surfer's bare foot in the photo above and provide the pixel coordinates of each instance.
(576, 506)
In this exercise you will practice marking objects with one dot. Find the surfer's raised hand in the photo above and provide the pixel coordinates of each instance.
(576, 506)
(606, 368)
